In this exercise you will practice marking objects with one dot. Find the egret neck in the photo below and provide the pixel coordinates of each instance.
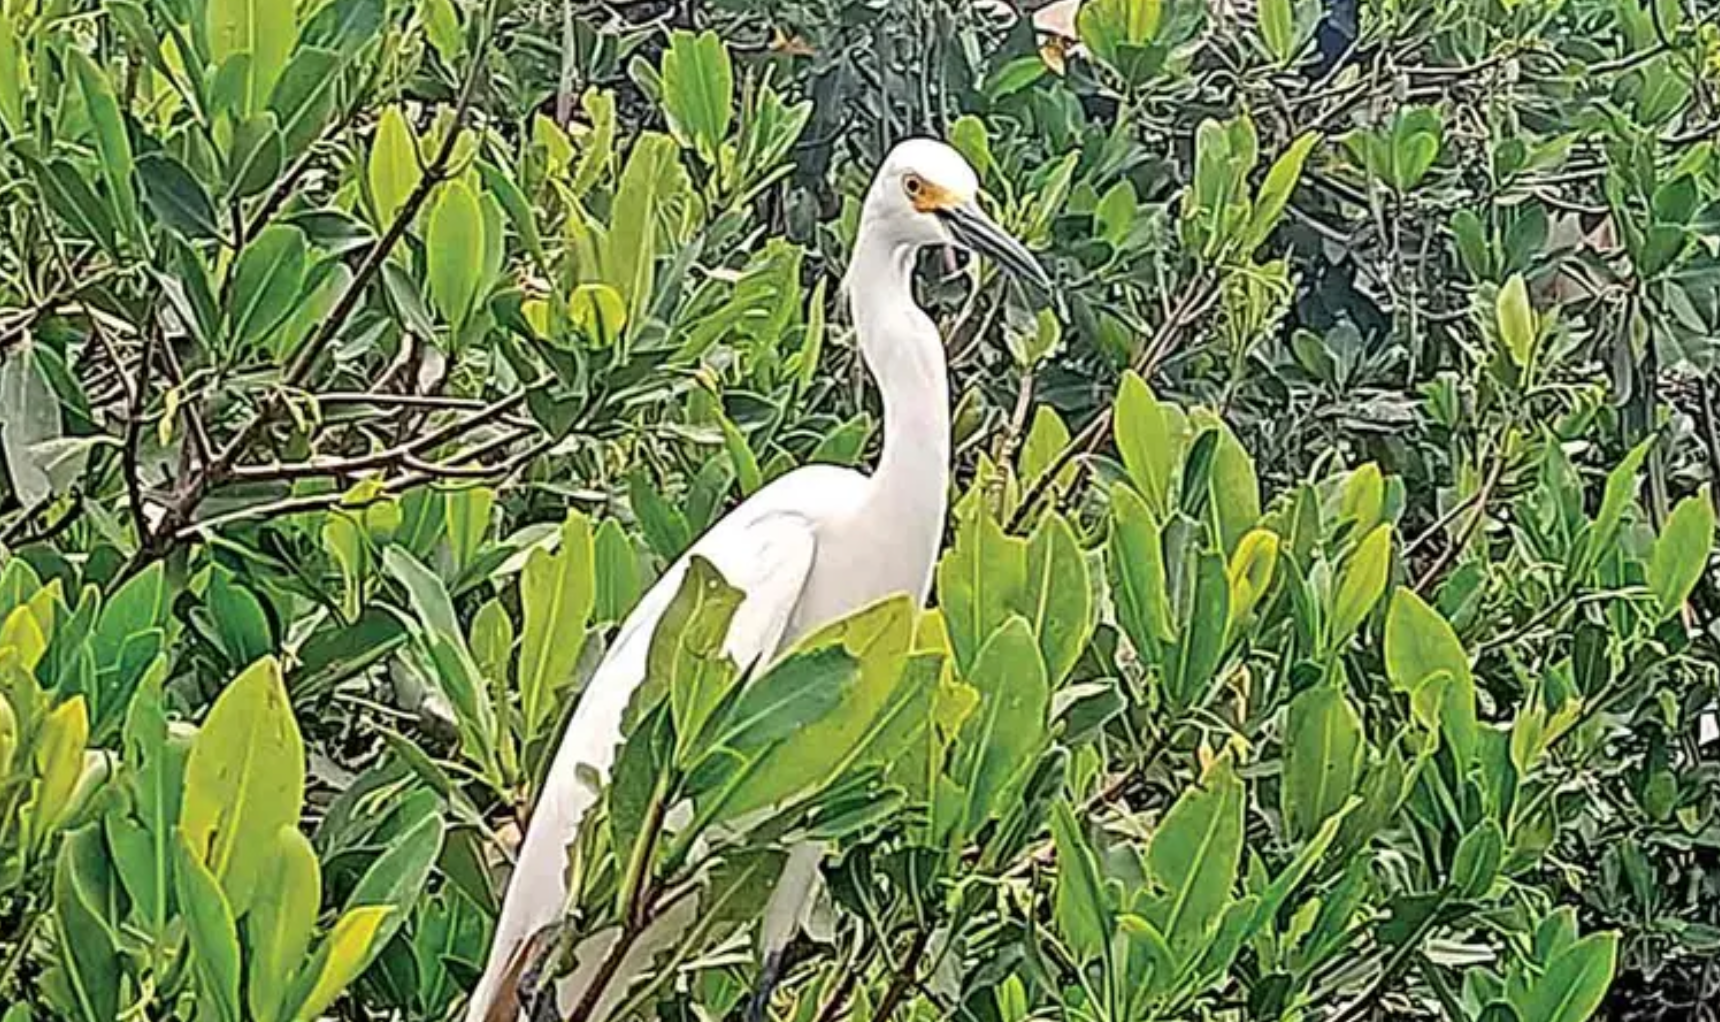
(902, 350)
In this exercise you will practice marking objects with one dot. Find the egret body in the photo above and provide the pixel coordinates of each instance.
(810, 547)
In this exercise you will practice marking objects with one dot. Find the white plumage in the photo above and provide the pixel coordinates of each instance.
(808, 548)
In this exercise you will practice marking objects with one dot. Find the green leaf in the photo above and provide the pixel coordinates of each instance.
(1234, 488)
(396, 879)
(263, 30)
(1574, 984)
(1003, 736)
(1620, 490)
(698, 90)
(795, 693)
(209, 922)
(1420, 643)
(355, 940)
(112, 141)
(1193, 858)
(1151, 439)
(1516, 320)
(73, 199)
(1281, 180)
(630, 250)
(1082, 912)
(686, 656)
(1323, 750)
(452, 241)
(1107, 27)
(1136, 556)
(393, 170)
(442, 25)
(1060, 595)
(244, 781)
(877, 637)
(1362, 585)
(980, 581)
(88, 958)
(176, 198)
(1681, 552)
(14, 77)
(616, 571)
(1046, 440)
(304, 98)
(1477, 860)
(1200, 647)
(266, 284)
(283, 917)
(557, 593)
(425, 592)
(1278, 29)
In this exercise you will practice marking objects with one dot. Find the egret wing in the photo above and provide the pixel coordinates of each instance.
(765, 552)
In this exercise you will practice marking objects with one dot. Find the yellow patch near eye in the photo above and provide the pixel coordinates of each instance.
(930, 198)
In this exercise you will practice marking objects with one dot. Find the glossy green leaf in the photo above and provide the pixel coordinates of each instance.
(1151, 439)
(1193, 858)
(1323, 752)
(89, 961)
(176, 198)
(877, 638)
(263, 31)
(1361, 585)
(393, 169)
(1081, 909)
(1477, 861)
(980, 582)
(245, 780)
(452, 242)
(1681, 552)
(1138, 588)
(209, 923)
(1574, 984)
(112, 140)
(557, 594)
(1008, 728)
(266, 284)
(1060, 595)
(698, 90)
(283, 917)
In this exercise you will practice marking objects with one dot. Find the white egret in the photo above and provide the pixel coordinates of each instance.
(810, 547)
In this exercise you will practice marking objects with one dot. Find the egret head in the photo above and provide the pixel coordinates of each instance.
(926, 194)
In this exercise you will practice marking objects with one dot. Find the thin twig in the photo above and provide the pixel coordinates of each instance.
(1196, 299)
(379, 459)
(904, 976)
(1480, 512)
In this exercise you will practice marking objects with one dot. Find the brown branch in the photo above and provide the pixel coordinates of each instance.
(904, 976)
(379, 459)
(1480, 512)
(306, 357)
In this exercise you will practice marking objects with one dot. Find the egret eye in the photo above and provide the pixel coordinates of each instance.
(912, 184)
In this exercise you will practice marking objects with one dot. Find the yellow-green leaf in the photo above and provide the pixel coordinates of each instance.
(342, 957)
(264, 31)
(209, 921)
(1362, 585)
(59, 763)
(281, 922)
(244, 781)
(1681, 552)
(557, 592)
(453, 242)
(393, 169)
(1516, 319)
(1150, 437)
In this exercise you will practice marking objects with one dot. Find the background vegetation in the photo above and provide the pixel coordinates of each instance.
(1326, 632)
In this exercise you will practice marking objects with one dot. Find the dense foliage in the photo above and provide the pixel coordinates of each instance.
(1326, 630)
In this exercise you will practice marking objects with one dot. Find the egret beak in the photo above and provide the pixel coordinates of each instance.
(972, 229)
